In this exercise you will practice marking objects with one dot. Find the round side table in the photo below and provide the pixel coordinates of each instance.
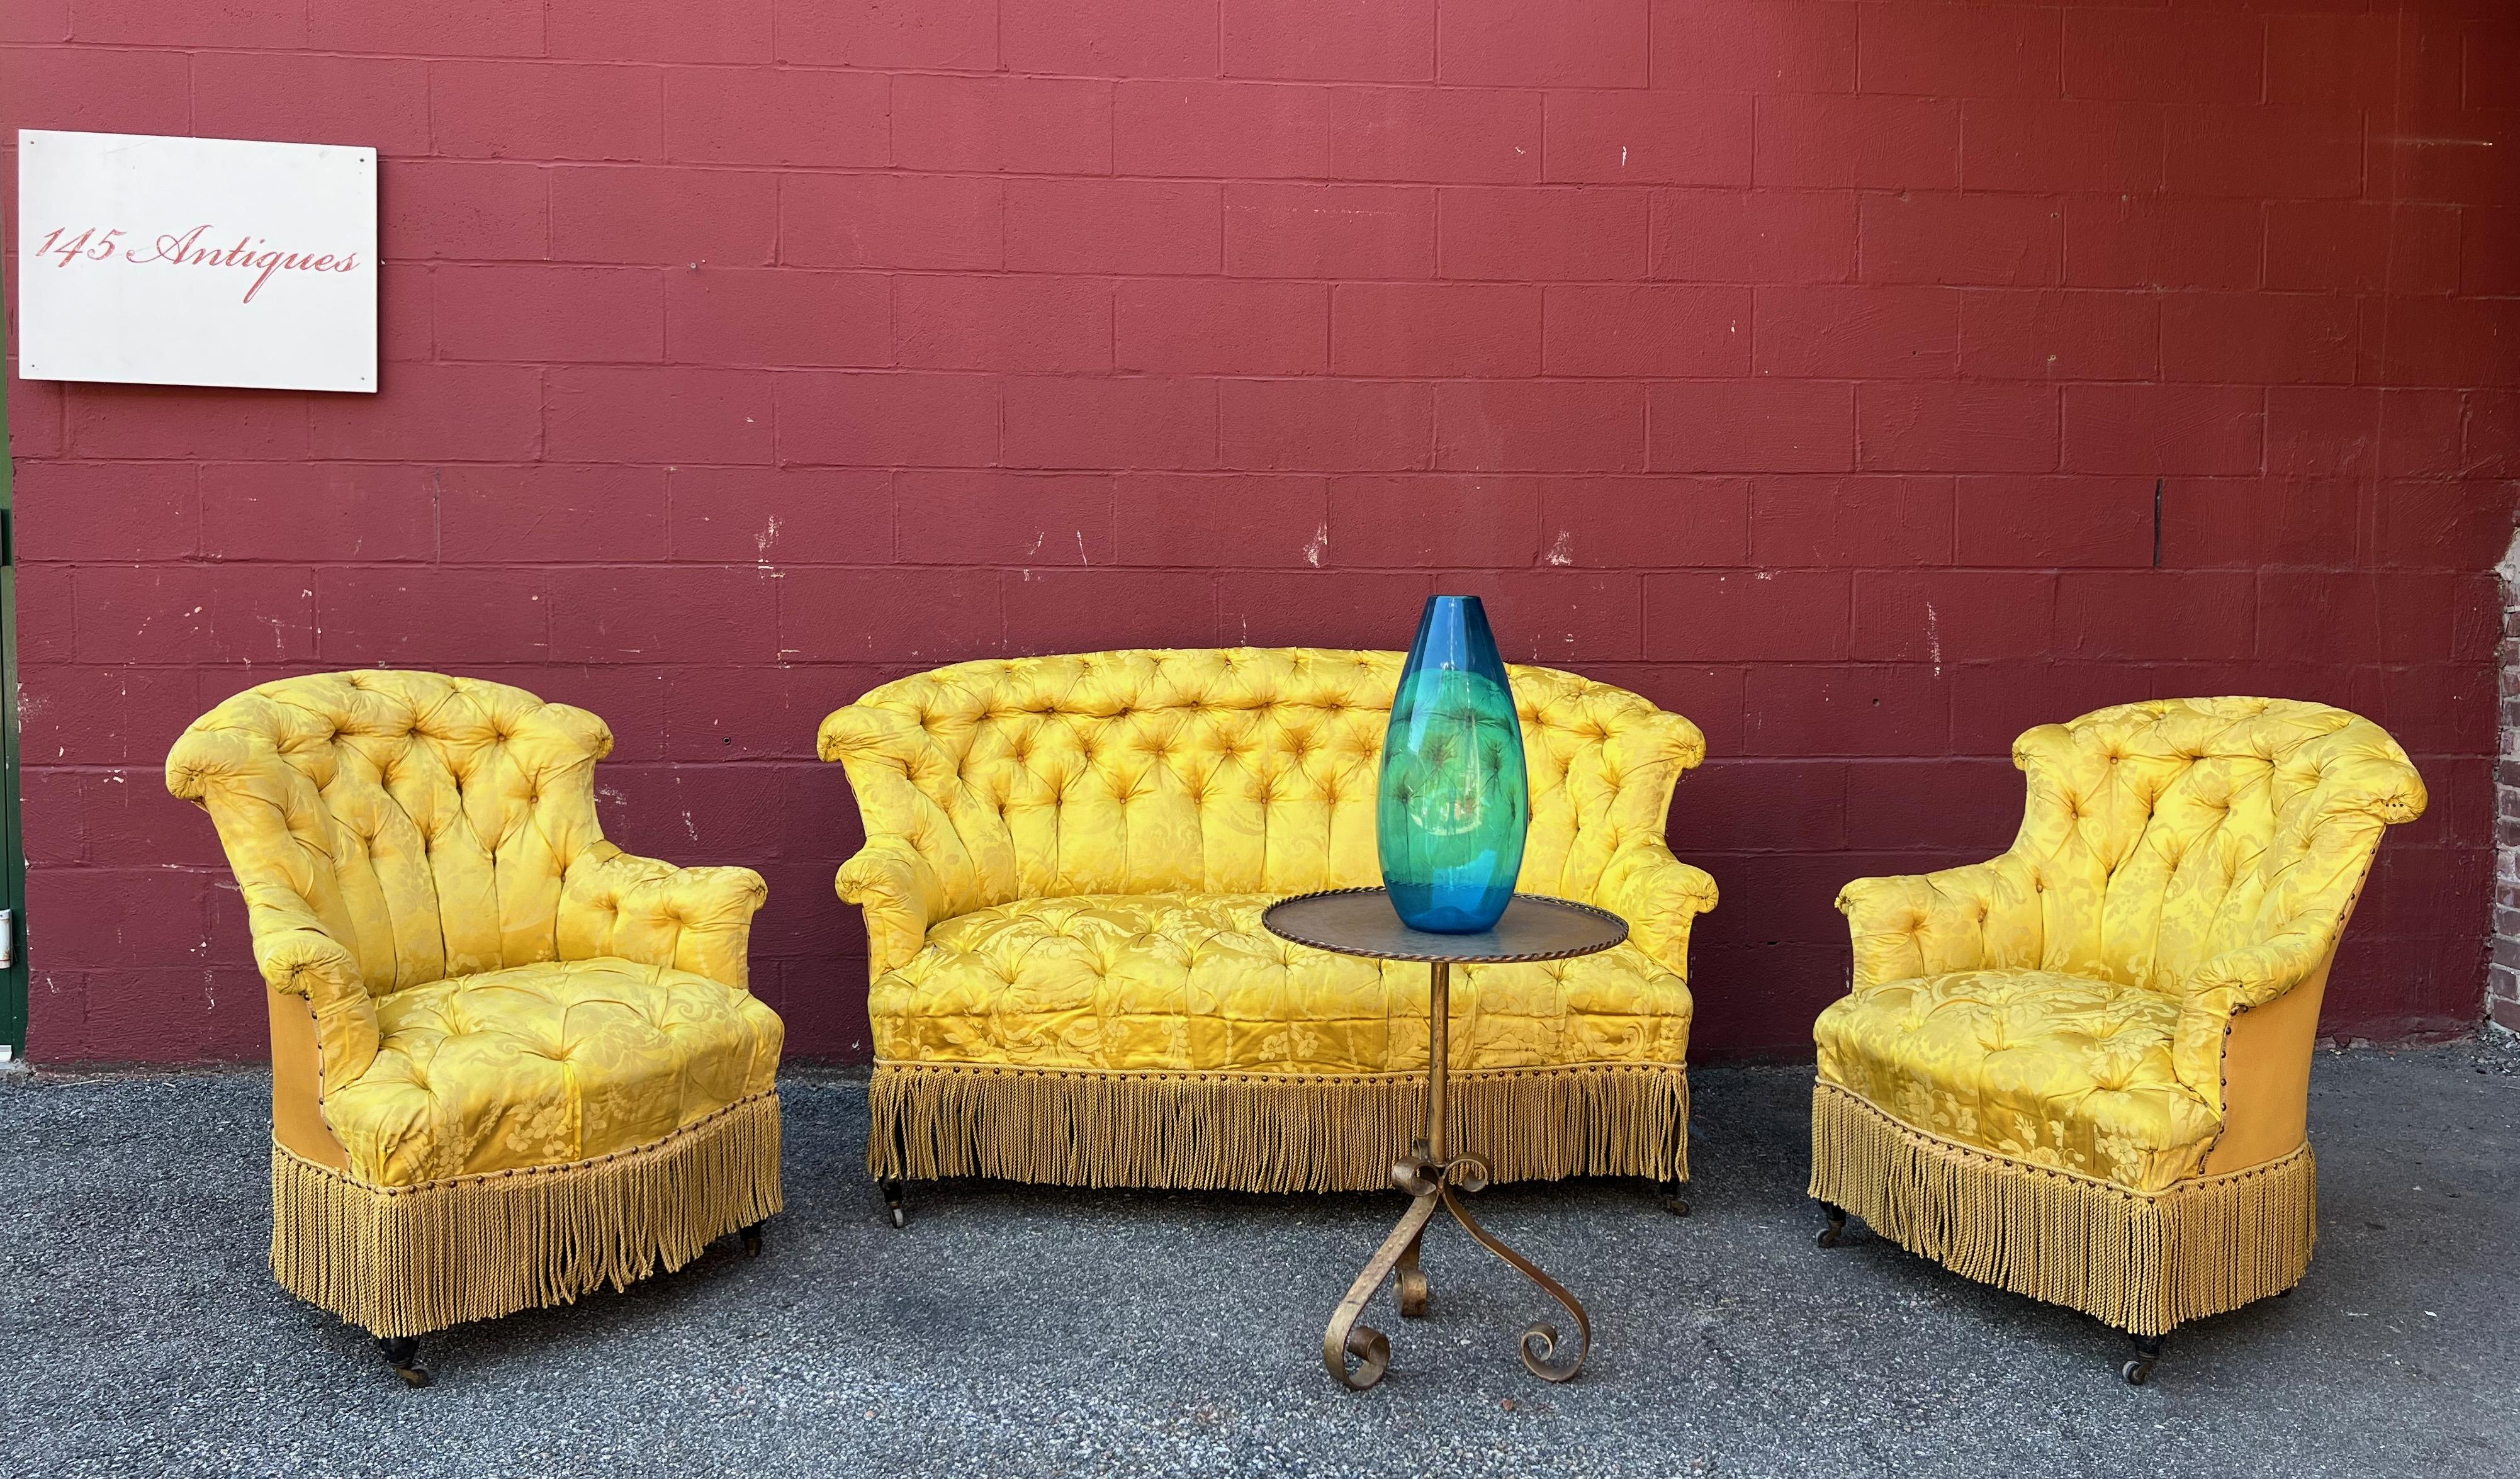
(1360, 921)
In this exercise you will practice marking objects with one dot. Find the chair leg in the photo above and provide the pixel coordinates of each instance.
(1835, 1233)
(892, 1190)
(752, 1237)
(2147, 1351)
(1674, 1201)
(402, 1352)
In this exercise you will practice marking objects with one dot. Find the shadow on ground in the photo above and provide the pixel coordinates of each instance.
(1021, 1331)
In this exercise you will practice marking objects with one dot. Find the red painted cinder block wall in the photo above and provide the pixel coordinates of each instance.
(1868, 381)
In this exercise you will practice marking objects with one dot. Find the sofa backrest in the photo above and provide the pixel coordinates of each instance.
(2160, 834)
(1216, 770)
(425, 823)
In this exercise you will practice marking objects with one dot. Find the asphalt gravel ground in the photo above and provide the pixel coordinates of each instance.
(1017, 1330)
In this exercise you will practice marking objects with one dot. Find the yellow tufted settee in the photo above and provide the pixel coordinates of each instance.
(1065, 866)
(2080, 1070)
(510, 1061)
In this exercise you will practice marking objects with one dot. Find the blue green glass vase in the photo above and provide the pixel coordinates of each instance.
(1454, 802)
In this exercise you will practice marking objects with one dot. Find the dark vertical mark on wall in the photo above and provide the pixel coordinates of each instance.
(2156, 522)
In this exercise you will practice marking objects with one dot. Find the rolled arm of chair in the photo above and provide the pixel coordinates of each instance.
(901, 894)
(1659, 896)
(1915, 924)
(298, 958)
(2233, 982)
(698, 919)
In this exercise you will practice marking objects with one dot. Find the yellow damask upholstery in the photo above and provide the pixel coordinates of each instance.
(2107, 1002)
(494, 1031)
(1065, 866)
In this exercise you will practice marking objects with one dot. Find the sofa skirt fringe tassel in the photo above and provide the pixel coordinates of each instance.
(1268, 1131)
(2144, 1264)
(409, 1260)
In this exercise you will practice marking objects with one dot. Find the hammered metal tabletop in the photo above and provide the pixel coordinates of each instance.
(1361, 921)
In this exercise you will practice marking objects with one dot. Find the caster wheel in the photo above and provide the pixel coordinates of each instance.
(900, 1219)
(2136, 1373)
(402, 1358)
(1677, 1207)
(1831, 1236)
(752, 1237)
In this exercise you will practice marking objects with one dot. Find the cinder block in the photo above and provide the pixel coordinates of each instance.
(1814, 139)
(2059, 336)
(661, 30)
(462, 210)
(1752, 426)
(662, 414)
(833, 417)
(1329, 231)
(376, 102)
(1538, 43)
(1540, 426)
(1211, 325)
(1436, 329)
(927, 222)
(1939, 51)
(1455, 135)
(1945, 617)
(1332, 40)
(1126, 421)
(1762, 46)
(1851, 332)
(1434, 522)
(1659, 138)
(778, 317)
(547, 110)
(1839, 523)
(1963, 426)
(778, 116)
(437, 413)
(991, 517)
(940, 35)
(1966, 239)
(1746, 616)
(1548, 235)
(549, 513)
(1231, 521)
(780, 517)
(302, 511)
(1034, 323)
(2172, 429)
(1023, 126)
(665, 217)
(1241, 130)
(1754, 236)
(1116, 226)
(1110, 38)
(538, 314)
(1326, 426)
(1647, 330)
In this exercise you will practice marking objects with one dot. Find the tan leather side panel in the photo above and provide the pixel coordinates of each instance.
(296, 1082)
(2265, 1074)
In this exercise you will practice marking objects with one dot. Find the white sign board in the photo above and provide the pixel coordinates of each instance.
(173, 261)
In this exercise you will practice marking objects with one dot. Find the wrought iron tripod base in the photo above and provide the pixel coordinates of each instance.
(1431, 1178)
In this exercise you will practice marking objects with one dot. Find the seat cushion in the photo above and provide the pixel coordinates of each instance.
(1191, 982)
(2057, 1070)
(538, 1065)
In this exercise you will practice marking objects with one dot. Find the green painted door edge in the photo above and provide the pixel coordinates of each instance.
(13, 845)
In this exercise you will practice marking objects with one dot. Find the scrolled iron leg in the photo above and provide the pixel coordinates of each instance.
(1835, 1233)
(402, 1354)
(892, 1188)
(1410, 1281)
(1346, 1336)
(2148, 1352)
(1541, 1352)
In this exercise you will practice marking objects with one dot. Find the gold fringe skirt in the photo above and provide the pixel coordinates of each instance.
(1250, 1132)
(2144, 1263)
(409, 1260)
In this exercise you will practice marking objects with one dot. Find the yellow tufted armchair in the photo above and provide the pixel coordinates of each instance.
(1066, 861)
(2079, 1071)
(510, 1064)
